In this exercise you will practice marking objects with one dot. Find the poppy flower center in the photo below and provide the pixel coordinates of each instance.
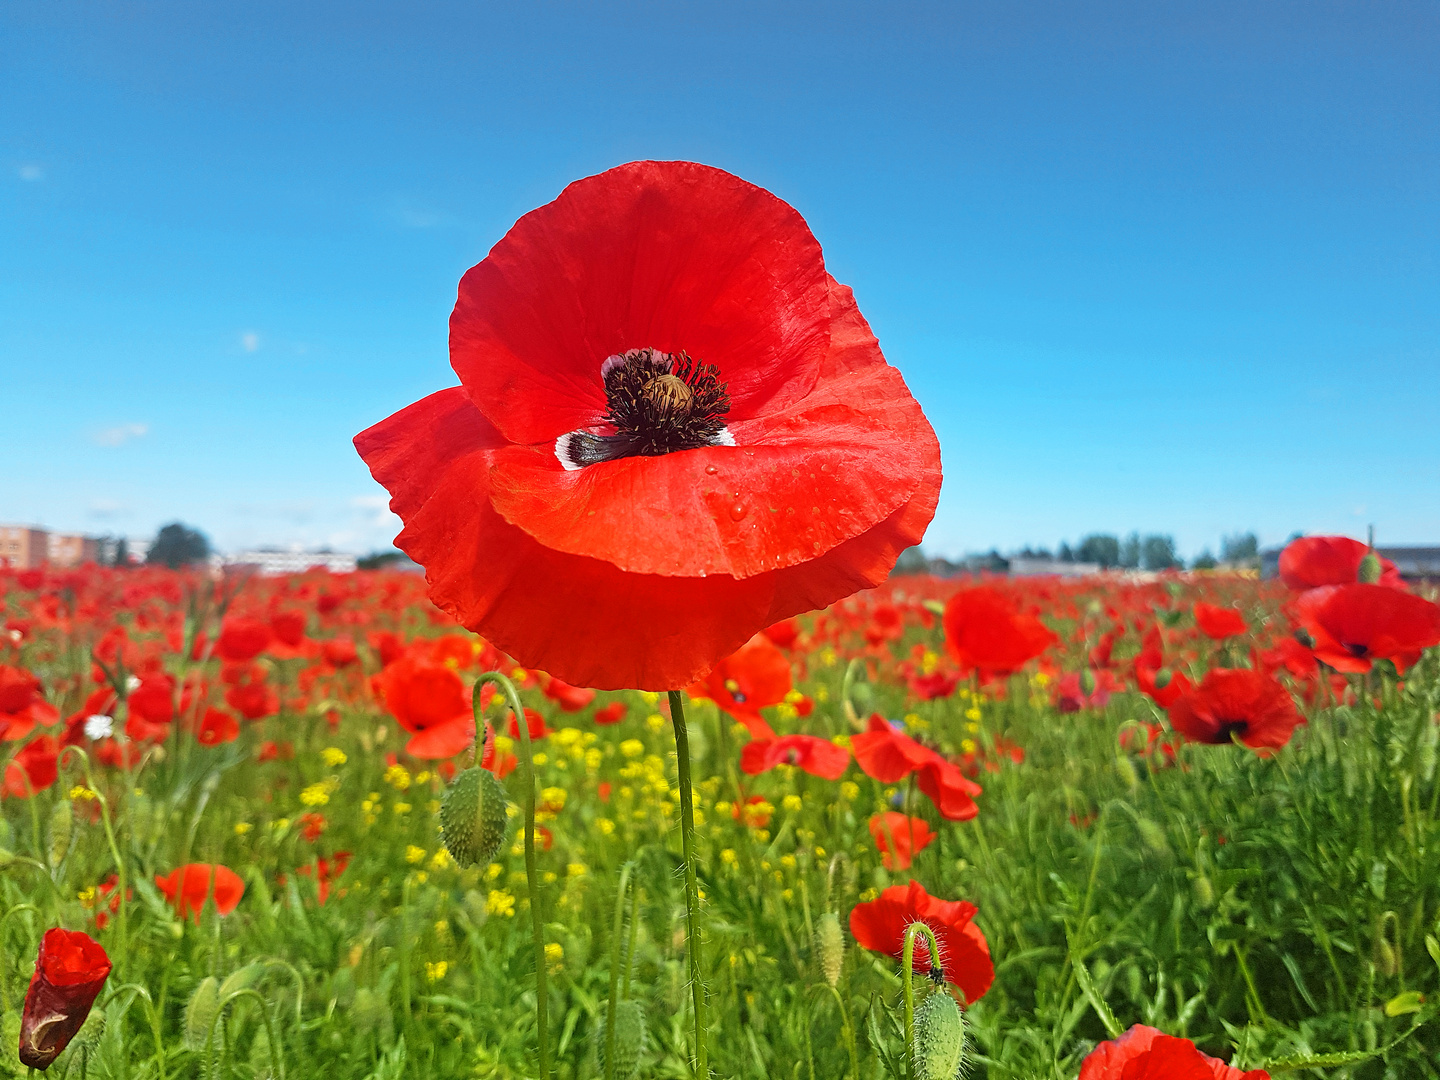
(656, 403)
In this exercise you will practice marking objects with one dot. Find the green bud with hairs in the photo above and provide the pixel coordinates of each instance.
(939, 1038)
(473, 817)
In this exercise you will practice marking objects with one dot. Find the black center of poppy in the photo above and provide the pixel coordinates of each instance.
(1357, 651)
(656, 403)
(1229, 728)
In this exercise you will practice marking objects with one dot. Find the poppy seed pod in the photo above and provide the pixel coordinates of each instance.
(70, 970)
(630, 1038)
(473, 816)
(939, 1038)
(830, 944)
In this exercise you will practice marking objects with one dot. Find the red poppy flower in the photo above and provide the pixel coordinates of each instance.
(1313, 561)
(1070, 695)
(339, 651)
(1290, 655)
(253, 699)
(753, 810)
(1219, 623)
(939, 684)
(612, 713)
(952, 792)
(886, 755)
(1151, 676)
(34, 768)
(1240, 702)
(879, 926)
(1353, 625)
(188, 888)
(22, 705)
(753, 677)
(429, 701)
(569, 698)
(534, 723)
(1143, 1053)
(70, 970)
(818, 757)
(912, 835)
(242, 639)
(986, 632)
(784, 632)
(674, 430)
(288, 628)
(217, 726)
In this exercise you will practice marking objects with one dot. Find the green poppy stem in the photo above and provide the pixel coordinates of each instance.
(907, 982)
(692, 891)
(616, 948)
(532, 881)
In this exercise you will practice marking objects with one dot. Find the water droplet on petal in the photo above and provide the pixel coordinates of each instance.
(737, 512)
(711, 469)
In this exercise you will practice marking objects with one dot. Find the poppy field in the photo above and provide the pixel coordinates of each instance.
(1200, 805)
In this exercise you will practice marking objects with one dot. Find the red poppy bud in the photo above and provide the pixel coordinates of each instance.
(70, 971)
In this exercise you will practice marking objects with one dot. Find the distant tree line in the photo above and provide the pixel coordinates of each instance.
(1154, 551)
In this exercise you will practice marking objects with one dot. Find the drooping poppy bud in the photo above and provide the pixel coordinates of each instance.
(1370, 570)
(473, 816)
(939, 1038)
(830, 945)
(1087, 682)
(70, 971)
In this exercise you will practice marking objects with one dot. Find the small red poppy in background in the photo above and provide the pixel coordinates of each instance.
(612, 713)
(674, 429)
(253, 699)
(288, 628)
(217, 726)
(1143, 1053)
(1219, 623)
(534, 724)
(188, 888)
(879, 925)
(340, 651)
(1313, 561)
(887, 755)
(242, 639)
(754, 677)
(70, 970)
(986, 632)
(34, 768)
(430, 702)
(569, 698)
(947, 786)
(1239, 702)
(22, 704)
(819, 757)
(784, 632)
(1353, 625)
(1070, 694)
(1152, 677)
(912, 835)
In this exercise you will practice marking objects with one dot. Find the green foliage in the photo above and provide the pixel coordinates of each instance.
(178, 545)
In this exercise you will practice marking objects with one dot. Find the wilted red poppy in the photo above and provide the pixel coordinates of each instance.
(188, 888)
(22, 705)
(986, 632)
(1143, 1053)
(242, 639)
(674, 430)
(70, 970)
(1219, 623)
(569, 698)
(612, 713)
(1313, 561)
(429, 701)
(819, 757)
(753, 677)
(34, 768)
(879, 926)
(1240, 702)
(1353, 625)
(912, 835)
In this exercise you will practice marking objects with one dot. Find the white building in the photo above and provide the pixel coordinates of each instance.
(272, 563)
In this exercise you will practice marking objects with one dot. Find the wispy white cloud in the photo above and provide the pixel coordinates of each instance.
(119, 436)
(107, 508)
(250, 341)
(374, 510)
(30, 171)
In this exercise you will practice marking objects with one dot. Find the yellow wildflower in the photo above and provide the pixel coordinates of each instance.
(333, 757)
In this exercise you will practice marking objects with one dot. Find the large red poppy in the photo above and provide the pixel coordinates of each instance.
(986, 632)
(1143, 1053)
(817, 756)
(34, 768)
(1219, 623)
(70, 970)
(188, 888)
(1240, 702)
(430, 702)
(674, 429)
(879, 926)
(1353, 625)
(1313, 561)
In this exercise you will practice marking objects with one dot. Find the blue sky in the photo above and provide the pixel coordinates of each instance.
(1167, 267)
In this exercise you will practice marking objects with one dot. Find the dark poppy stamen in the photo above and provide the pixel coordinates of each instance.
(657, 403)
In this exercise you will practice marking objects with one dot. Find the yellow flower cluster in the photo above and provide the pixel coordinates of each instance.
(333, 757)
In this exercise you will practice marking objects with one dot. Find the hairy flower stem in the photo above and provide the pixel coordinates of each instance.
(615, 951)
(532, 883)
(907, 982)
(692, 891)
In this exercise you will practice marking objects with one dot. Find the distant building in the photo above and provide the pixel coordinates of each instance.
(25, 547)
(272, 563)
(1021, 567)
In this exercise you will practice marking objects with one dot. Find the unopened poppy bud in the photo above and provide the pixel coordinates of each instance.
(630, 1038)
(1126, 770)
(1162, 678)
(70, 971)
(939, 1038)
(473, 816)
(830, 944)
(1087, 682)
(201, 1011)
(1370, 569)
(61, 821)
(1154, 836)
(1386, 958)
(1204, 892)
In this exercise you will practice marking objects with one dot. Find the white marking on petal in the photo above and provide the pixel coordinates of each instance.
(611, 363)
(724, 438)
(562, 452)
